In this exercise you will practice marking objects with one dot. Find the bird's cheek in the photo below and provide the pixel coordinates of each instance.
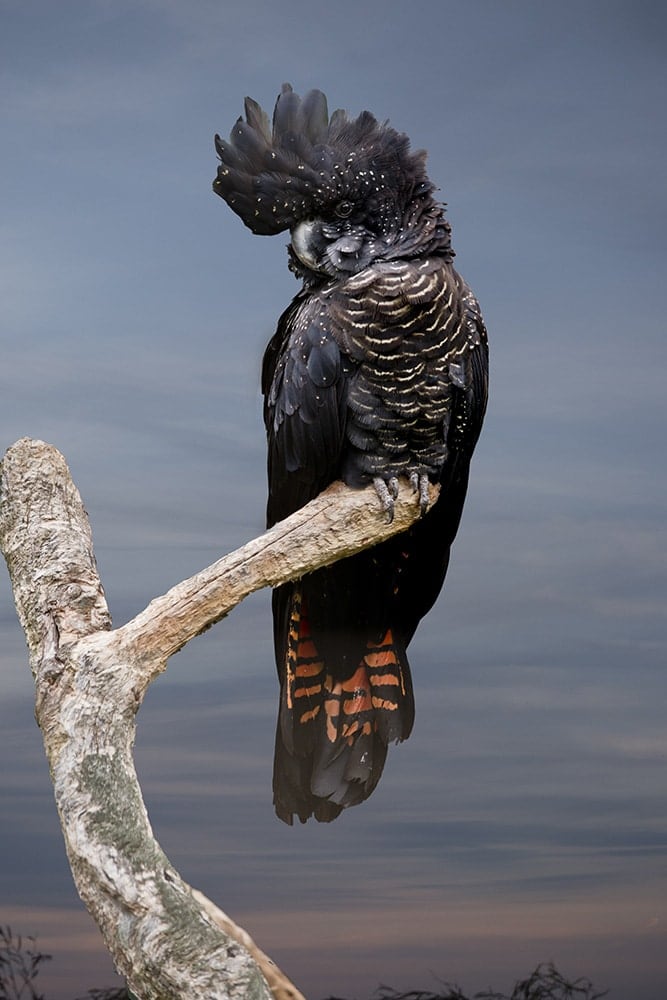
(303, 243)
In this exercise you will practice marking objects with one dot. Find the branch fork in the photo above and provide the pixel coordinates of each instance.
(166, 938)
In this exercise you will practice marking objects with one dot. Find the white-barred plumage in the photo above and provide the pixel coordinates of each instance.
(378, 369)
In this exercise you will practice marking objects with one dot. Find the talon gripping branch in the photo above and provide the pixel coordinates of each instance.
(378, 369)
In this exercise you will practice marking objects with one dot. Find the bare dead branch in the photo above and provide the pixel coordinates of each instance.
(168, 940)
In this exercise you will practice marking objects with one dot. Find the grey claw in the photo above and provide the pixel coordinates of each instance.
(419, 484)
(386, 495)
(423, 493)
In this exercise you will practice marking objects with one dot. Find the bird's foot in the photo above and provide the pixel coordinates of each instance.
(419, 483)
(387, 491)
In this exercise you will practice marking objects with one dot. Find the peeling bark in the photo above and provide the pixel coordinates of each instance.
(167, 939)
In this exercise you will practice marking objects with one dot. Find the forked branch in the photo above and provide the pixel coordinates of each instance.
(168, 940)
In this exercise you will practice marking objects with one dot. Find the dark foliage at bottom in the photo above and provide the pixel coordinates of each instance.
(119, 993)
(20, 962)
(19, 965)
(545, 983)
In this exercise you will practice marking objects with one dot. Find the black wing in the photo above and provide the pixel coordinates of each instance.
(304, 382)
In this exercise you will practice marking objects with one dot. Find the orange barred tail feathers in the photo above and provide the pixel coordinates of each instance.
(391, 689)
(333, 733)
(302, 685)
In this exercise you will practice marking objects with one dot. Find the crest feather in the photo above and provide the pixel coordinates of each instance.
(305, 162)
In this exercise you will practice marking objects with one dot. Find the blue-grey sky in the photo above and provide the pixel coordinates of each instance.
(525, 819)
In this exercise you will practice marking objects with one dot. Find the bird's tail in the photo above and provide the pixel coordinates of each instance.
(334, 726)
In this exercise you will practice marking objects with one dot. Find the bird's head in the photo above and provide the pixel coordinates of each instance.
(350, 190)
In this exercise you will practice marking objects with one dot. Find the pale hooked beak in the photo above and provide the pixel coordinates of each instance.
(302, 242)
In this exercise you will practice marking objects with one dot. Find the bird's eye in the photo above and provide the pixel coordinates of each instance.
(344, 209)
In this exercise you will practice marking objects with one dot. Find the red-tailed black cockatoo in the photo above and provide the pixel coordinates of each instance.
(378, 369)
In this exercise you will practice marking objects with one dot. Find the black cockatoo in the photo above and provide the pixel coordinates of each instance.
(378, 369)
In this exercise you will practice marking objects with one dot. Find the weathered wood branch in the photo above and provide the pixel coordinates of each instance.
(168, 940)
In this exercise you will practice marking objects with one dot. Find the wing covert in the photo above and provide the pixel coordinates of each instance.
(305, 388)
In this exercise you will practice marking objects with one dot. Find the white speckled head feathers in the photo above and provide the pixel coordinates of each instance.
(306, 164)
